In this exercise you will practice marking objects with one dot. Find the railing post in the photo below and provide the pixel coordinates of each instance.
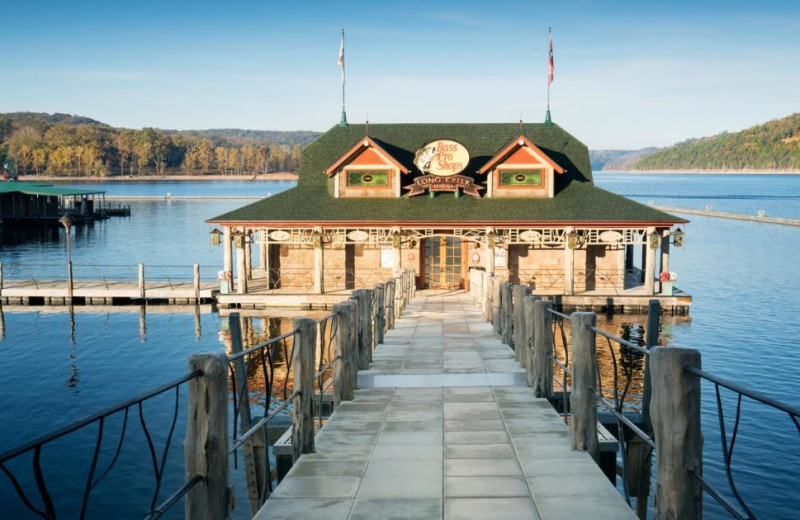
(651, 340)
(506, 320)
(542, 349)
(366, 350)
(197, 282)
(141, 281)
(675, 411)
(391, 289)
(206, 445)
(1, 278)
(380, 312)
(519, 292)
(584, 370)
(253, 448)
(344, 382)
(303, 371)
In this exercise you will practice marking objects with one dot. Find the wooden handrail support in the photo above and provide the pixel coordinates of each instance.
(345, 367)
(304, 367)
(206, 444)
(380, 312)
(518, 329)
(584, 370)
(541, 366)
(675, 413)
(141, 281)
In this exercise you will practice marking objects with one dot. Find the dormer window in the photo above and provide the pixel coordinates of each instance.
(366, 170)
(521, 169)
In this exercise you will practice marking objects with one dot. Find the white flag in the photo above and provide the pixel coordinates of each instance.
(340, 61)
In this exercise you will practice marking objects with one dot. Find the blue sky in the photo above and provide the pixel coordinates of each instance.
(628, 74)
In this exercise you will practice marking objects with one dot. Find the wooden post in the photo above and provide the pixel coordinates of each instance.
(650, 263)
(584, 369)
(675, 411)
(380, 312)
(488, 305)
(365, 352)
(569, 269)
(248, 256)
(506, 320)
(390, 296)
(304, 369)
(1, 278)
(344, 382)
(496, 303)
(319, 265)
(651, 341)
(227, 250)
(254, 447)
(206, 445)
(141, 281)
(542, 349)
(197, 282)
(519, 292)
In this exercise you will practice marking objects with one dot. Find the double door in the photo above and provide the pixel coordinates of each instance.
(442, 262)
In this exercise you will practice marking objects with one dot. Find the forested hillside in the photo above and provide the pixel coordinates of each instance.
(774, 145)
(62, 144)
(615, 159)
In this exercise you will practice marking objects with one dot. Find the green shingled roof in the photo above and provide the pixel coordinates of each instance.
(576, 199)
(33, 188)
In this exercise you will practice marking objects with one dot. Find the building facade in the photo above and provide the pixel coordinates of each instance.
(516, 200)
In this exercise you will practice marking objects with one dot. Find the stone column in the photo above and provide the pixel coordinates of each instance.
(650, 263)
(241, 266)
(665, 252)
(319, 268)
(396, 257)
(227, 250)
(489, 254)
(569, 267)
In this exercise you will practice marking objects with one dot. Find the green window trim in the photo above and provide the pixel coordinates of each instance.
(367, 179)
(519, 177)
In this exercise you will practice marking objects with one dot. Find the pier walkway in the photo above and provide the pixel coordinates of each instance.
(444, 426)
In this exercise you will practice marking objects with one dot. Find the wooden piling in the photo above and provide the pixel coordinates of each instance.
(196, 269)
(675, 412)
(206, 444)
(141, 281)
(521, 349)
(541, 364)
(380, 312)
(254, 447)
(496, 303)
(344, 366)
(304, 368)
(584, 370)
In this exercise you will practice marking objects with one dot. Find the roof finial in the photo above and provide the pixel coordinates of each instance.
(520, 125)
(366, 131)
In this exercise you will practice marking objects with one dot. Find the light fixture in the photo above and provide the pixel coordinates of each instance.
(396, 242)
(677, 237)
(654, 240)
(216, 235)
(572, 240)
(316, 240)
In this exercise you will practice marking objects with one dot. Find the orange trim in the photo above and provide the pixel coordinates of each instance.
(442, 225)
(503, 154)
(364, 144)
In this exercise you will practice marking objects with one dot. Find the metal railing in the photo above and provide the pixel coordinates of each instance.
(107, 275)
(47, 507)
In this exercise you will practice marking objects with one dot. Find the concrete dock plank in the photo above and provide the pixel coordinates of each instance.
(437, 438)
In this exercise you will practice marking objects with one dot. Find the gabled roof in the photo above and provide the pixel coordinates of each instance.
(362, 146)
(576, 200)
(35, 188)
(516, 144)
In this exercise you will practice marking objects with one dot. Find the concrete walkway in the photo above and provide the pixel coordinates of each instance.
(444, 427)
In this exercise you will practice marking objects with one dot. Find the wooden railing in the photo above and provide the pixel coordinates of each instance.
(664, 419)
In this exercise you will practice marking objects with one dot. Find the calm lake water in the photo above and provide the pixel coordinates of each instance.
(742, 276)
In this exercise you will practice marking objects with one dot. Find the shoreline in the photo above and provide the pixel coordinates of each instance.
(703, 172)
(280, 176)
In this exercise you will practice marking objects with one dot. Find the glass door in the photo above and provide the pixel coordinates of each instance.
(442, 259)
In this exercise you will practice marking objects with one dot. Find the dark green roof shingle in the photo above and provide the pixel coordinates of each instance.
(576, 198)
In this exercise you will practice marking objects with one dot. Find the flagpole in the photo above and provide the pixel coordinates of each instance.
(343, 122)
(547, 120)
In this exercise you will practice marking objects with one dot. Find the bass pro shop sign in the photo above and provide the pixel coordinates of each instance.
(440, 162)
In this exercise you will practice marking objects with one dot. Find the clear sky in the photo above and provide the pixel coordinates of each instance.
(628, 74)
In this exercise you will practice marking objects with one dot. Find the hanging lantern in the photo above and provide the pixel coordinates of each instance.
(677, 237)
(654, 240)
(216, 235)
(572, 240)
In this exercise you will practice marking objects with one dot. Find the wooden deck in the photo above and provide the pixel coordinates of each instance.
(444, 426)
(99, 292)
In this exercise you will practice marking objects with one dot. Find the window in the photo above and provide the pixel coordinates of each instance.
(367, 179)
(519, 177)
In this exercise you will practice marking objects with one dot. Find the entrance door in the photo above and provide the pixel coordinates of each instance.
(442, 259)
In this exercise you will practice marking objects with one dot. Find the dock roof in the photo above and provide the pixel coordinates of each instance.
(576, 200)
(34, 188)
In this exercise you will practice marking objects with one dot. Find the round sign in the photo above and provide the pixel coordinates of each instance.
(442, 158)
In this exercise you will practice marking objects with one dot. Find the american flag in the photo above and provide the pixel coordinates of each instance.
(550, 66)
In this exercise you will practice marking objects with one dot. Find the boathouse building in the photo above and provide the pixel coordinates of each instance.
(516, 200)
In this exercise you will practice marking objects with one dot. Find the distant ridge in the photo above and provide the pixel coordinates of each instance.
(616, 159)
(771, 146)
